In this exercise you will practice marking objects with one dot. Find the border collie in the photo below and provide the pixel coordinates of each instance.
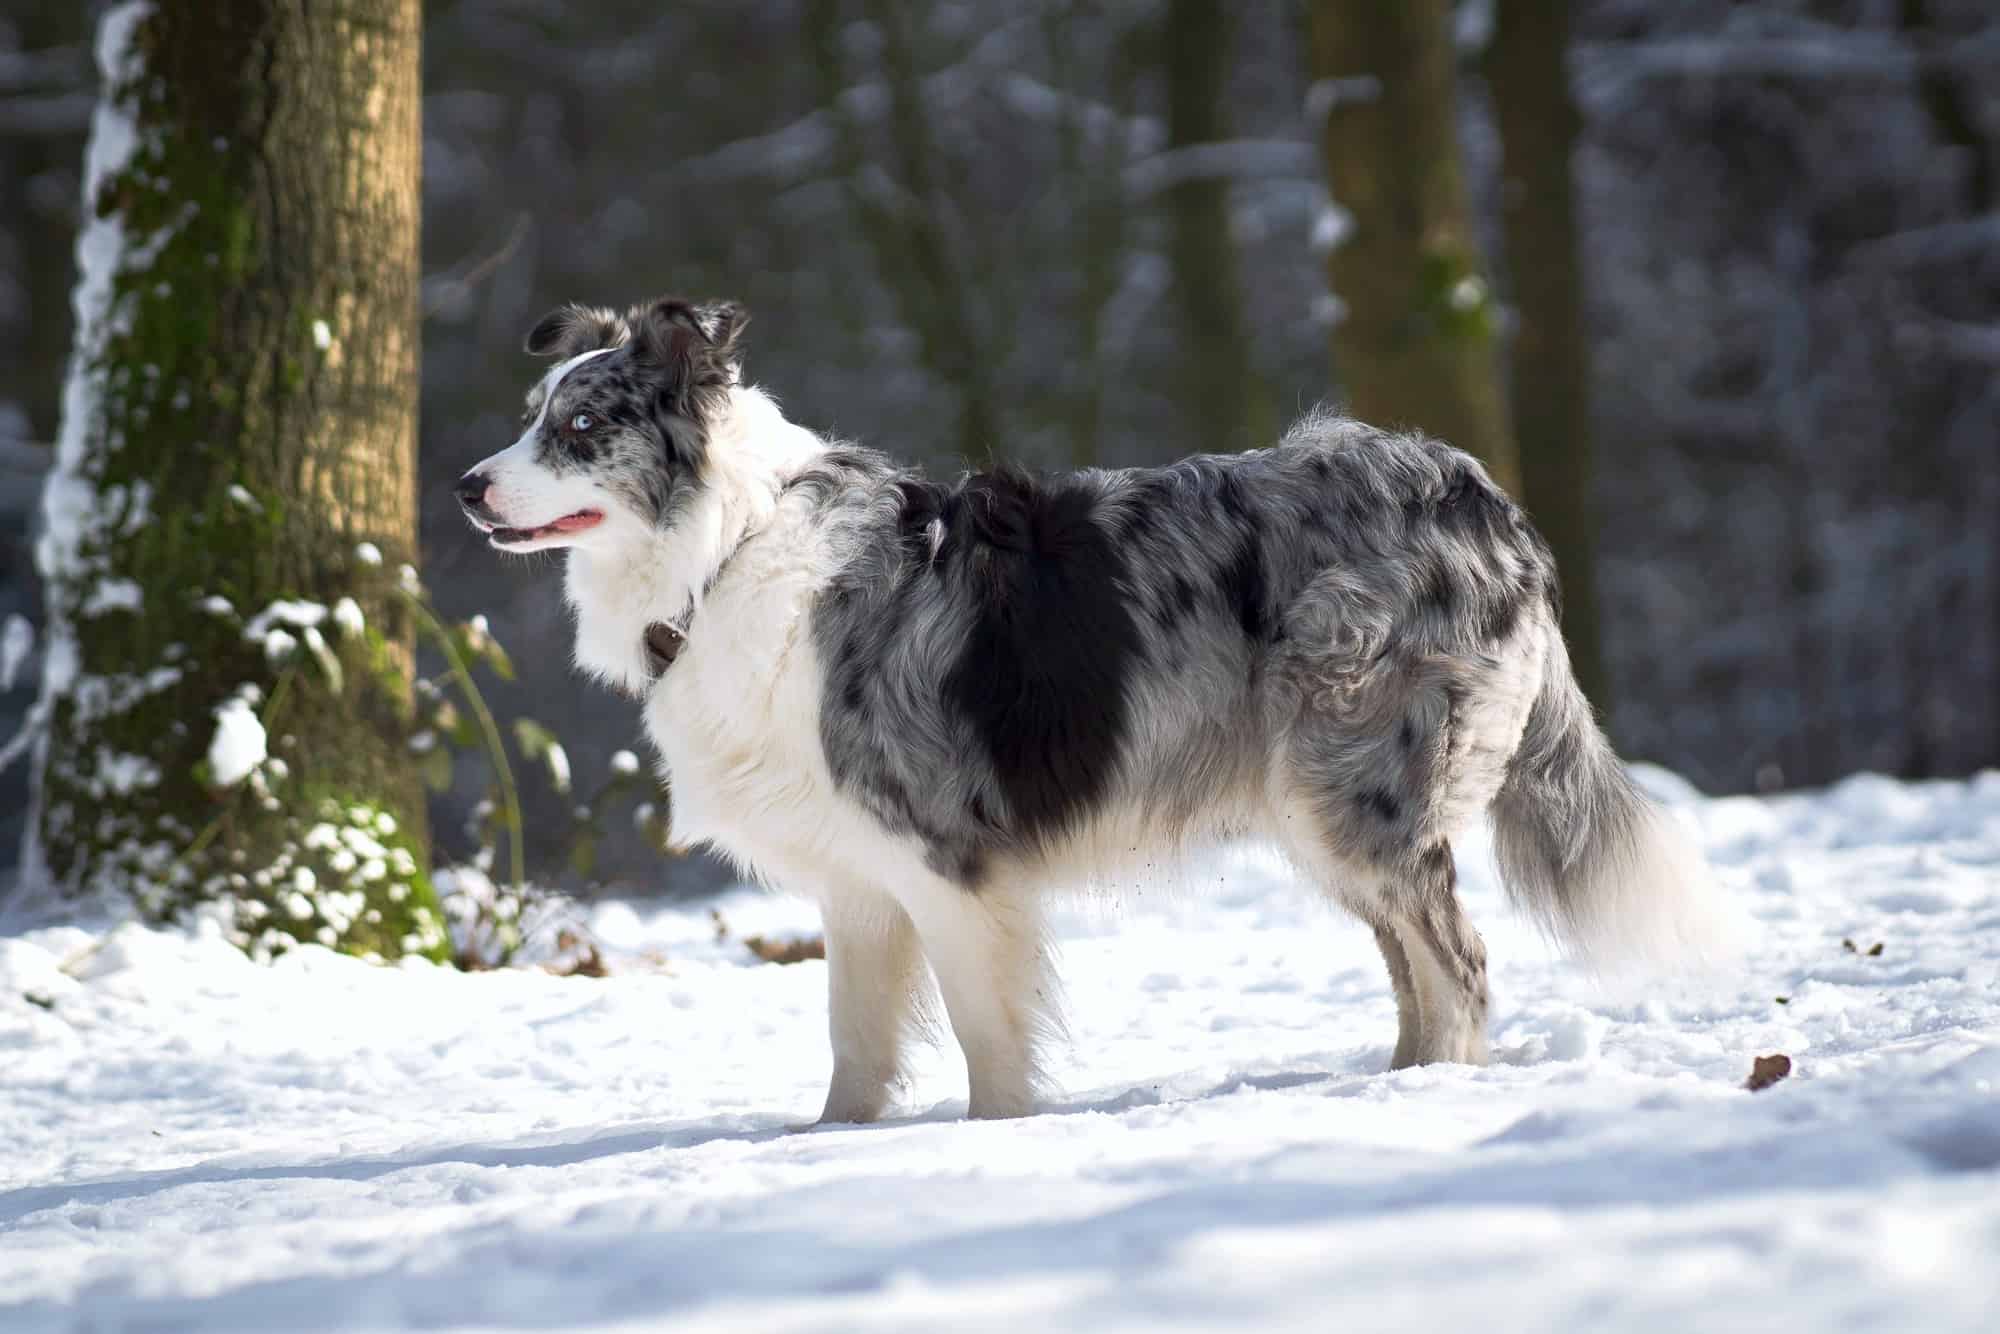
(923, 704)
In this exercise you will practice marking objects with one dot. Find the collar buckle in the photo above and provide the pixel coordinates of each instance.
(663, 644)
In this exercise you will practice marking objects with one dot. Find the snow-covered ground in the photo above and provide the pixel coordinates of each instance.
(195, 1142)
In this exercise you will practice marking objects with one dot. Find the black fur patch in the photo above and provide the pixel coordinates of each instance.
(1378, 802)
(1500, 615)
(1042, 678)
(1245, 590)
(1436, 590)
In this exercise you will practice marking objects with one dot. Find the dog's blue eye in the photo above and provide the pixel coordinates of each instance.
(582, 422)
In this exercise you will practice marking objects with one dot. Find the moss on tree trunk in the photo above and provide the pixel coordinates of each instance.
(1416, 345)
(247, 424)
(1551, 364)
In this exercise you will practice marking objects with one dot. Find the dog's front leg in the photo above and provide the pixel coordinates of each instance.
(875, 975)
(992, 964)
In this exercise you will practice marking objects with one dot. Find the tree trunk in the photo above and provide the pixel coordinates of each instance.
(911, 243)
(1550, 358)
(237, 457)
(1416, 343)
(1216, 381)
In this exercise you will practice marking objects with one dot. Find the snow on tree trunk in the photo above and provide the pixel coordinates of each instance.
(237, 454)
(1415, 344)
(1551, 363)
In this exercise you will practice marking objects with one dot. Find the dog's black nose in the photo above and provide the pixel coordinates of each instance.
(471, 490)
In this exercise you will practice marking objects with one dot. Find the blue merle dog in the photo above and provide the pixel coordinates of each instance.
(926, 703)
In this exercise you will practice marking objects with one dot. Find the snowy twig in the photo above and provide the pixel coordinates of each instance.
(450, 287)
(1954, 241)
(31, 727)
(1974, 342)
(1227, 160)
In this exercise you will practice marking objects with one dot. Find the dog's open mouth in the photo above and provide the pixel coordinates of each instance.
(568, 523)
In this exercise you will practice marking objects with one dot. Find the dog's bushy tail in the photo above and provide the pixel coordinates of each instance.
(1595, 862)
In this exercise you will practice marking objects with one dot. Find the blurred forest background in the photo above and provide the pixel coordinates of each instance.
(1072, 233)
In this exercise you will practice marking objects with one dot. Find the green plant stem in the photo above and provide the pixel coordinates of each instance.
(509, 795)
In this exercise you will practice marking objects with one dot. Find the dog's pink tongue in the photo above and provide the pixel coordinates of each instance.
(571, 523)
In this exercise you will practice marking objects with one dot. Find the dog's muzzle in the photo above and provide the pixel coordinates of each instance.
(471, 492)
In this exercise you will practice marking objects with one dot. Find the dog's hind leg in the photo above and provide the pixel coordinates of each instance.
(1362, 797)
(1435, 958)
(876, 995)
(1444, 966)
(990, 954)
(1409, 1020)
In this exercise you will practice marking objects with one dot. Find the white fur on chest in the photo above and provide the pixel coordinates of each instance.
(736, 724)
(736, 718)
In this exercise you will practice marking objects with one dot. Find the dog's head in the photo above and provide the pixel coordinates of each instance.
(615, 435)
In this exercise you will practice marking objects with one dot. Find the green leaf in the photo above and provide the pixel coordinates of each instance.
(654, 827)
(539, 743)
(583, 852)
(496, 658)
(533, 738)
(329, 663)
(436, 766)
(457, 728)
(477, 644)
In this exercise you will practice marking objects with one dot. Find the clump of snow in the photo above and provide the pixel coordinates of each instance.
(624, 763)
(347, 617)
(1326, 94)
(1331, 226)
(368, 553)
(294, 612)
(109, 594)
(322, 334)
(17, 641)
(239, 743)
(120, 773)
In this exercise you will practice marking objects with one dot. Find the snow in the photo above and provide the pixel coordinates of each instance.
(1326, 94)
(70, 508)
(73, 510)
(109, 594)
(195, 1141)
(238, 746)
(557, 760)
(1331, 226)
(294, 612)
(17, 641)
(347, 617)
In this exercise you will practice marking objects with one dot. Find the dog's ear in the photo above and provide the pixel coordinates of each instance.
(723, 322)
(569, 331)
(695, 343)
